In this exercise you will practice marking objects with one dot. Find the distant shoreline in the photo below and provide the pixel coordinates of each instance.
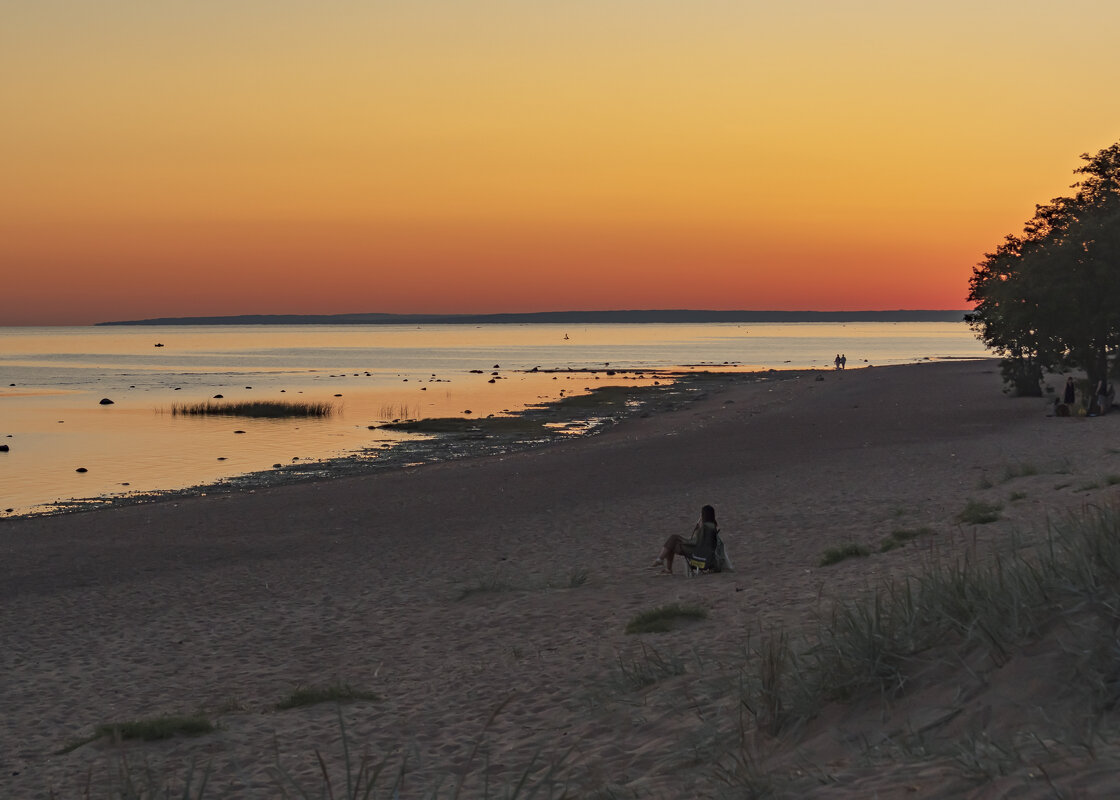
(562, 317)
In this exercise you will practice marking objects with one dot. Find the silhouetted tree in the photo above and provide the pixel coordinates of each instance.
(1050, 298)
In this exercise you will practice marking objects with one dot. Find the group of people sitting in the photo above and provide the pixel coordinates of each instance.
(702, 551)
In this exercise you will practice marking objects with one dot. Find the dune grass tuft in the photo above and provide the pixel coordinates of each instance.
(979, 512)
(157, 728)
(272, 409)
(870, 647)
(662, 618)
(333, 693)
(1021, 470)
(900, 536)
(834, 555)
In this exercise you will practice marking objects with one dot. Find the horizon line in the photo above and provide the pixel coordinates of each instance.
(571, 316)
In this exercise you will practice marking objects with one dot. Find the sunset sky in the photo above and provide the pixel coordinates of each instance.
(174, 158)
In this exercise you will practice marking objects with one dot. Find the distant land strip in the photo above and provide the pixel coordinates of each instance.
(561, 317)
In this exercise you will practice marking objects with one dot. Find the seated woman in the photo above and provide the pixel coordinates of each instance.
(704, 544)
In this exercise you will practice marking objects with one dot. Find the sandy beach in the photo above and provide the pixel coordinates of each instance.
(484, 602)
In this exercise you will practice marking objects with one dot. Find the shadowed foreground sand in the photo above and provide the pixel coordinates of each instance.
(228, 603)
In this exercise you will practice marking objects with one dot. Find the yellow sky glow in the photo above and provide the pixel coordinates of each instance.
(180, 159)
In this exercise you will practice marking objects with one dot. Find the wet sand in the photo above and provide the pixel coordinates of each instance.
(447, 590)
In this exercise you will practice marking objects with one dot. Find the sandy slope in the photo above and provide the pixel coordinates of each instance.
(227, 603)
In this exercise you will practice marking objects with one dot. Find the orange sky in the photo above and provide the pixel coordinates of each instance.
(272, 156)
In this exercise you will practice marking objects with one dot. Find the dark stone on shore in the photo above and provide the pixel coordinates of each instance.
(422, 388)
(248, 387)
(81, 469)
(490, 381)
(277, 465)
(497, 366)
(158, 344)
(239, 431)
(219, 397)
(371, 427)
(221, 458)
(3, 448)
(125, 483)
(105, 401)
(338, 395)
(473, 372)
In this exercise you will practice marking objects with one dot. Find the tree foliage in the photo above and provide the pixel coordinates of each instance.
(1049, 298)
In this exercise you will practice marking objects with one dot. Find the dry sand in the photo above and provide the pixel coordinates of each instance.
(228, 603)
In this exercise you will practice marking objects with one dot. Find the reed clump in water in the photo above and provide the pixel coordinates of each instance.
(255, 408)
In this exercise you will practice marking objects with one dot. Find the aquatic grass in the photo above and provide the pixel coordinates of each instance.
(663, 618)
(834, 555)
(399, 411)
(332, 693)
(271, 409)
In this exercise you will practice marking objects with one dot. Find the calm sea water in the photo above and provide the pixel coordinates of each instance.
(52, 381)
